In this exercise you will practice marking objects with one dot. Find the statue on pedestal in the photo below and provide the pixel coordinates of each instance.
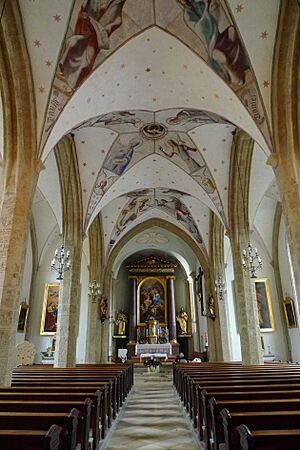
(182, 320)
(103, 308)
(211, 310)
(121, 320)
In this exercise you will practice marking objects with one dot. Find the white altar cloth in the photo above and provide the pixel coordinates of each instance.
(155, 355)
(153, 348)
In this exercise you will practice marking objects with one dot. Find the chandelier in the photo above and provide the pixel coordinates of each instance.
(94, 291)
(61, 262)
(251, 260)
(220, 288)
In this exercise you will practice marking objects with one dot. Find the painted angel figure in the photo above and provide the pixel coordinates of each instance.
(96, 21)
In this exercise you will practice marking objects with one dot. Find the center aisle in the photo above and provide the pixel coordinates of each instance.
(152, 418)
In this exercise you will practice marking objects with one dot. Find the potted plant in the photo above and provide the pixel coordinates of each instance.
(153, 364)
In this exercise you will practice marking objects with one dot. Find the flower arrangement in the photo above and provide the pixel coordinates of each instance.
(152, 362)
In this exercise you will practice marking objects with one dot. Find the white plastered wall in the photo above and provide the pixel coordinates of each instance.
(288, 289)
(231, 304)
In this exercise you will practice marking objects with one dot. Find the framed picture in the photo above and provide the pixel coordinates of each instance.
(264, 305)
(23, 313)
(50, 309)
(152, 300)
(289, 312)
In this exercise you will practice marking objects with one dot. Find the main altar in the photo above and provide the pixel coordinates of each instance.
(152, 317)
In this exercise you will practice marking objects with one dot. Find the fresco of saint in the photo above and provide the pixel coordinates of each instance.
(225, 52)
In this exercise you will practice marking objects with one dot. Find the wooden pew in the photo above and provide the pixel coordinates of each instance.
(282, 377)
(45, 401)
(54, 384)
(200, 411)
(271, 439)
(258, 420)
(123, 372)
(226, 397)
(42, 421)
(33, 378)
(109, 406)
(215, 421)
(56, 438)
(192, 376)
(53, 439)
(193, 402)
(109, 385)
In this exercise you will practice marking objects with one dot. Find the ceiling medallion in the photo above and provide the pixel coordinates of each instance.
(152, 238)
(153, 131)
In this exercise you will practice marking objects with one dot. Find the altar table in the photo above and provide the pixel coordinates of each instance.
(153, 348)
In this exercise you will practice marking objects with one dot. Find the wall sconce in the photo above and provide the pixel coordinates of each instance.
(94, 291)
(220, 288)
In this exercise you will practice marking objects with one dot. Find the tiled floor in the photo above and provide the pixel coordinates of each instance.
(152, 418)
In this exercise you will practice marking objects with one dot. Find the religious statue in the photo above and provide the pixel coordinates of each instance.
(211, 311)
(121, 320)
(182, 320)
(103, 308)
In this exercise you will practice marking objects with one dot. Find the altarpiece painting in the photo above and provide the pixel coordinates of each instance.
(152, 300)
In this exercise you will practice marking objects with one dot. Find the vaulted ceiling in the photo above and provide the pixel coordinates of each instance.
(152, 91)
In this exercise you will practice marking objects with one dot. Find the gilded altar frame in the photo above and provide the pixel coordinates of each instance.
(151, 296)
(50, 308)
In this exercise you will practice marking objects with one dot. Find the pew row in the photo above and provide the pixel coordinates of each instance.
(243, 390)
(43, 396)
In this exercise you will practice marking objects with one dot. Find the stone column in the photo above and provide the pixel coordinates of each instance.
(133, 310)
(20, 168)
(171, 309)
(93, 336)
(14, 227)
(69, 302)
(68, 310)
(91, 342)
(247, 312)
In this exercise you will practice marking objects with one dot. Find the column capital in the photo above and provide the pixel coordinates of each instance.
(170, 277)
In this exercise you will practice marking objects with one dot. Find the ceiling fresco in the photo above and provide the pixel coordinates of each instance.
(170, 201)
(97, 28)
(142, 133)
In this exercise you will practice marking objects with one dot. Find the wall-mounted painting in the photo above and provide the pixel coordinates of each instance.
(264, 305)
(50, 308)
(23, 313)
(289, 312)
(152, 300)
